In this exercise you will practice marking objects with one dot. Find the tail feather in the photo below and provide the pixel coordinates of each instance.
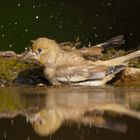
(113, 42)
(122, 60)
(114, 69)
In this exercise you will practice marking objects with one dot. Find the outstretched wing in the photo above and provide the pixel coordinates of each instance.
(99, 48)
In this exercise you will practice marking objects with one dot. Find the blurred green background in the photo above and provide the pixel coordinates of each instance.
(63, 20)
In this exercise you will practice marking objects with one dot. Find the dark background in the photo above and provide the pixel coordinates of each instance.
(63, 20)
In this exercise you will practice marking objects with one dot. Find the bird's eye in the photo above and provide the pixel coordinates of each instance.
(39, 50)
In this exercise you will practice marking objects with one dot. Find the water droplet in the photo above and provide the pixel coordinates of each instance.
(12, 122)
(16, 23)
(60, 26)
(90, 125)
(97, 15)
(110, 27)
(18, 4)
(3, 35)
(108, 4)
(94, 28)
(39, 5)
(1, 26)
(131, 34)
(96, 35)
(51, 16)
(28, 138)
(34, 6)
(89, 44)
(37, 17)
(26, 30)
(10, 23)
(5, 135)
(10, 45)
(27, 120)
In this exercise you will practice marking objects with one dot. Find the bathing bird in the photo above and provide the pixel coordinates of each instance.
(70, 67)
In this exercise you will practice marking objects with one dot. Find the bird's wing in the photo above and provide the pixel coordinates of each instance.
(99, 48)
(80, 73)
(86, 73)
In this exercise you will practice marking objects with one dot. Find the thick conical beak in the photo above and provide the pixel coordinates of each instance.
(30, 55)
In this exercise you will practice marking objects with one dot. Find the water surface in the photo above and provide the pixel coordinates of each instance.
(80, 113)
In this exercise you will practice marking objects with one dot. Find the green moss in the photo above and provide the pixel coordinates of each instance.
(13, 69)
(112, 53)
(9, 68)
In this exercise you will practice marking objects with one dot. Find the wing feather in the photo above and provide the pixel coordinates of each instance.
(80, 73)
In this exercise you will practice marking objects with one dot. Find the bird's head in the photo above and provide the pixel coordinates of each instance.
(44, 50)
(46, 122)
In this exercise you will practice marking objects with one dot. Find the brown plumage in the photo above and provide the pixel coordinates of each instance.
(99, 48)
(70, 66)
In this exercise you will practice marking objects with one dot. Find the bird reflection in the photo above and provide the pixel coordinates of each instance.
(47, 109)
(47, 121)
(71, 67)
(80, 108)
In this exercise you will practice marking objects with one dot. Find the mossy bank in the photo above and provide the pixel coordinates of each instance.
(14, 70)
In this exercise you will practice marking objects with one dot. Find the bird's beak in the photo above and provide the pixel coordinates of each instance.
(30, 55)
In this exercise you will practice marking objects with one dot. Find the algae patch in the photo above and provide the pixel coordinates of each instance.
(13, 70)
(9, 68)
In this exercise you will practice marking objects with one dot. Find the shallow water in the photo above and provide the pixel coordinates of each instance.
(78, 113)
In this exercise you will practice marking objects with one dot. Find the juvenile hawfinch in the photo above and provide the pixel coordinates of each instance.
(70, 67)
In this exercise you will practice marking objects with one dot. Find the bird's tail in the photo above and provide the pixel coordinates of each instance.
(114, 69)
(112, 43)
(120, 60)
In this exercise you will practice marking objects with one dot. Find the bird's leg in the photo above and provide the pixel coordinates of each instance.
(54, 82)
(50, 75)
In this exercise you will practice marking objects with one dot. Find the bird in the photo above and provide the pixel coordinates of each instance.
(70, 67)
(46, 121)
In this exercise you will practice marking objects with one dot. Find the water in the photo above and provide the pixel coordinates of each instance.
(71, 112)
(79, 113)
